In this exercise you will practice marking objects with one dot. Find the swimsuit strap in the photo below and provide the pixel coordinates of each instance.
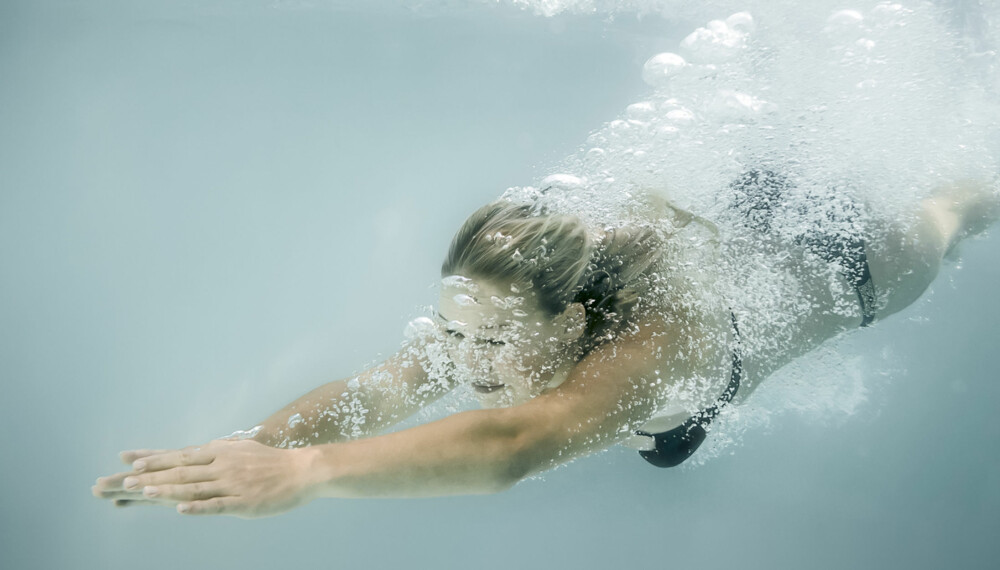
(865, 287)
(676, 445)
(849, 253)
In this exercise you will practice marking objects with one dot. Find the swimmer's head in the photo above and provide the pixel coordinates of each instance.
(559, 261)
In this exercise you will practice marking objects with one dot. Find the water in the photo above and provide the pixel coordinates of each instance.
(207, 211)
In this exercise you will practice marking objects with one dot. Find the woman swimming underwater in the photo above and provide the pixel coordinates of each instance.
(575, 336)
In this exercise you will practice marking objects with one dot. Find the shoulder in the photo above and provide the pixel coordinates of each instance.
(647, 358)
(615, 389)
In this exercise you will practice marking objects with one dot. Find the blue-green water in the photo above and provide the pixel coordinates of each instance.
(206, 211)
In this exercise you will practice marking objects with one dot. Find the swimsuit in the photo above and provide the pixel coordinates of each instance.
(757, 193)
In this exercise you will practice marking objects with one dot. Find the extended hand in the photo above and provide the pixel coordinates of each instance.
(240, 478)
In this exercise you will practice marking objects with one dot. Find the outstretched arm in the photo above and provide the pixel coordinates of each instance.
(335, 412)
(611, 391)
(356, 407)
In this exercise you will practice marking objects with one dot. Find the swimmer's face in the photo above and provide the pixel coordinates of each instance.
(502, 342)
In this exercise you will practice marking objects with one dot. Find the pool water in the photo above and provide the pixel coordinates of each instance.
(207, 210)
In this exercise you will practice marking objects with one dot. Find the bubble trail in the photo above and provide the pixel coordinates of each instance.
(856, 111)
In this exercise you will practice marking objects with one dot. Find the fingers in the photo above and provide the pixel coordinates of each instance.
(185, 478)
(165, 487)
(216, 506)
(128, 457)
(118, 495)
(171, 459)
(175, 476)
(131, 484)
(189, 492)
(128, 498)
(109, 483)
(113, 494)
(146, 463)
(104, 490)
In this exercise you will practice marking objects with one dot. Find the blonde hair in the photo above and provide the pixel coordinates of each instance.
(556, 256)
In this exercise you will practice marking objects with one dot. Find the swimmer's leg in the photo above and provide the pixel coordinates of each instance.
(906, 262)
(962, 210)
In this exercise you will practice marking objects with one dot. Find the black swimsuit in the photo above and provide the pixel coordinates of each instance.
(757, 192)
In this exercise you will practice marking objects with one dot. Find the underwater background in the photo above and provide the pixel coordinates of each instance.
(207, 210)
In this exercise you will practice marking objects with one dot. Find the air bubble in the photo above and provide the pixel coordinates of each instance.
(419, 327)
(680, 116)
(733, 105)
(619, 127)
(844, 25)
(668, 131)
(845, 18)
(561, 181)
(461, 282)
(866, 44)
(715, 43)
(463, 300)
(742, 21)
(888, 12)
(294, 420)
(659, 69)
(244, 434)
(505, 303)
(500, 239)
(642, 111)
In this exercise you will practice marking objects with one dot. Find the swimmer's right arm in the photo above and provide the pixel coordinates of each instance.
(356, 407)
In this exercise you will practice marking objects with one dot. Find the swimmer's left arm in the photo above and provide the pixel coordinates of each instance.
(476, 452)
(608, 393)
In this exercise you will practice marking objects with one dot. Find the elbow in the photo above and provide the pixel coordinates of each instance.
(511, 472)
(519, 453)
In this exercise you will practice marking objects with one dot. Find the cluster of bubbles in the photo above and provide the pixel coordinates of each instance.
(856, 112)
(883, 97)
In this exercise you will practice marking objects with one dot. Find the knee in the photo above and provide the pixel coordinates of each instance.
(963, 209)
(938, 227)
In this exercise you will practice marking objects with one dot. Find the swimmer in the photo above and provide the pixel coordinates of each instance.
(573, 338)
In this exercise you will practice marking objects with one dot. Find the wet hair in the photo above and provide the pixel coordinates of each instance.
(560, 260)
